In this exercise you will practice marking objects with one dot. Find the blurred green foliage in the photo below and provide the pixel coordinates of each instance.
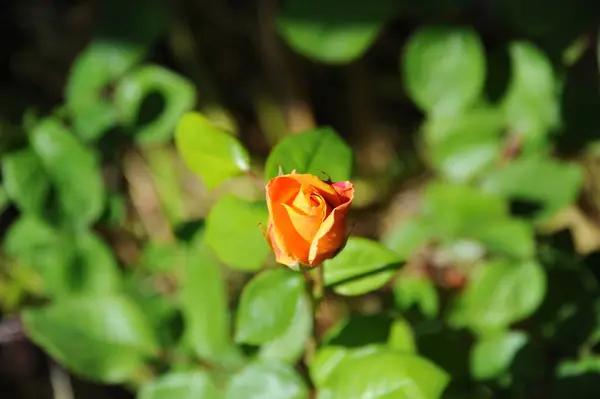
(133, 207)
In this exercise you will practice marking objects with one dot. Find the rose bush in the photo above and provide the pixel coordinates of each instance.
(307, 218)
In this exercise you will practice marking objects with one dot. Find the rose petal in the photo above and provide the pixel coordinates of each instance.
(305, 224)
(326, 190)
(278, 247)
(332, 232)
(281, 190)
(344, 189)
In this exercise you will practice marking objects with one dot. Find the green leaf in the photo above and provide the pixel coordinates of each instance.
(39, 246)
(267, 306)
(180, 385)
(290, 346)
(500, 293)
(208, 151)
(176, 92)
(204, 306)
(266, 380)
(25, 181)
(492, 354)
(362, 266)
(540, 179)
(94, 269)
(96, 67)
(444, 69)
(384, 374)
(335, 31)
(401, 337)
(408, 237)
(325, 361)
(104, 338)
(163, 257)
(457, 211)
(233, 232)
(125, 32)
(510, 237)
(531, 102)
(314, 151)
(416, 290)
(463, 146)
(73, 170)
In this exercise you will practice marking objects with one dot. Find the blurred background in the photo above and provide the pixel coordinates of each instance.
(490, 96)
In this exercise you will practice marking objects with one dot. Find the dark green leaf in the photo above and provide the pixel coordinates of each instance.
(266, 380)
(290, 346)
(103, 338)
(334, 31)
(362, 266)
(25, 181)
(176, 92)
(233, 232)
(180, 385)
(493, 353)
(314, 151)
(444, 69)
(73, 170)
(209, 151)
(267, 306)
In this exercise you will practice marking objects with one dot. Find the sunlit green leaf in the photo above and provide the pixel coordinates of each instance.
(493, 353)
(267, 306)
(401, 337)
(444, 69)
(500, 293)
(290, 346)
(208, 151)
(411, 290)
(180, 385)
(362, 266)
(103, 338)
(384, 374)
(314, 151)
(266, 380)
(25, 181)
(204, 305)
(233, 232)
(531, 103)
(73, 170)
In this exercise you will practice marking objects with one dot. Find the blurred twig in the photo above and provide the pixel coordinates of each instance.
(145, 197)
(11, 329)
(61, 382)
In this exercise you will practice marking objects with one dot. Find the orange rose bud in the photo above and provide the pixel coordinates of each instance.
(307, 218)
